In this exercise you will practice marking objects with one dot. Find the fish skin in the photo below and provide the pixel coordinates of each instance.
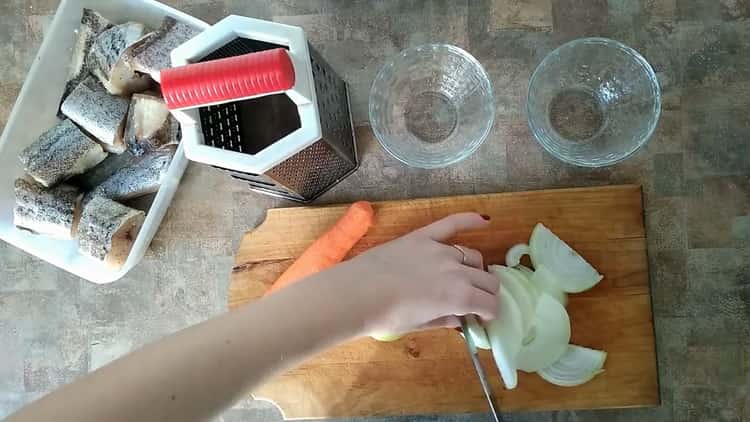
(106, 61)
(138, 179)
(92, 24)
(100, 114)
(48, 211)
(98, 232)
(59, 153)
(151, 54)
(101, 172)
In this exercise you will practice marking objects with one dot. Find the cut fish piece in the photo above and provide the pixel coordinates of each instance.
(99, 113)
(106, 59)
(140, 178)
(107, 231)
(149, 124)
(92, 24)
(102, 171)
(60, 153)
(151, 54)
(52, 212)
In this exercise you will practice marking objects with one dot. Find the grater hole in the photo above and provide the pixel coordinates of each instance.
(238, 47)
(249, 126)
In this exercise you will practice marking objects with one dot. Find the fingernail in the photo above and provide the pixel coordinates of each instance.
(485, 216)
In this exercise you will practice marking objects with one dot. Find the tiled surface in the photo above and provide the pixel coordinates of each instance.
(695, 173)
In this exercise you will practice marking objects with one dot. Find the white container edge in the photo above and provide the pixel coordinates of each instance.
(35, 111)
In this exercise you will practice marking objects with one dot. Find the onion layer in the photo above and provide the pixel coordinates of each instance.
(551, 336)
(505, 334)
(578, 365)
(477, 333)
(514, 254)
(570, 270)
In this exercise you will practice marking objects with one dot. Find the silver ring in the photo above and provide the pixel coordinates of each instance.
(463, 253)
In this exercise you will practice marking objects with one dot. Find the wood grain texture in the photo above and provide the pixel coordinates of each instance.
(430, 372)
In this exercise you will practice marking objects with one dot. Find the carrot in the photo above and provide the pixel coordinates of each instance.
(330, 248)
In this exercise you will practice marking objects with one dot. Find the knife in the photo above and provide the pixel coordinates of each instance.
(480, 371)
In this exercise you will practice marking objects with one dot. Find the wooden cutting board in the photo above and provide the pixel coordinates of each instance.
(430, 372)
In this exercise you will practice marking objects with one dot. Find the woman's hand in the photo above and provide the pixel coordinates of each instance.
(418, 281)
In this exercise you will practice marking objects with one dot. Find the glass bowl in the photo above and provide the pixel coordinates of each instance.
(593, 102)
(431, 106)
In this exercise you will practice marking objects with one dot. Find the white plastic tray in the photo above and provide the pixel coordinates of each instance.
(36, 111)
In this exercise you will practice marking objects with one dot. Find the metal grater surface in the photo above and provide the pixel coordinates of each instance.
(307, 174)
(333, 103)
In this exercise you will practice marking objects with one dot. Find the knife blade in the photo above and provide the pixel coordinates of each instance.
(472, 348)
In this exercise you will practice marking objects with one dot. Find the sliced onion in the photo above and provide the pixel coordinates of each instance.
(505, 338)
(514, 283)
(385, 336)
(551, 334)
(578, 365)
(527, 273)
(570, 270)
(477, 333)
(514, 254)
(531, 289)
(546, 282)
(525, 270)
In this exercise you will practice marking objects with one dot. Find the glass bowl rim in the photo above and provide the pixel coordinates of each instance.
(632, 53)
(485, 79)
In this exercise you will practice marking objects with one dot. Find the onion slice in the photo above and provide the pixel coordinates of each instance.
(514, 283)
(528, 275)
(550, 336)
(545, 281)
(525, 270)
(505, 338)
(570, 270)
(531, 290)
(514, 254)
(578, 365)
(477, 333)
(386, 337)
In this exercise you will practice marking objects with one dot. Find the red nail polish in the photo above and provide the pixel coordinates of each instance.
(485, 216)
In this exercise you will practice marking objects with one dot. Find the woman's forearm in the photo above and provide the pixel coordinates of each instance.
(414, 282)
(198, 372)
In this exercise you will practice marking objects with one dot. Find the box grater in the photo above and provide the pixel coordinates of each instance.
(270, 112)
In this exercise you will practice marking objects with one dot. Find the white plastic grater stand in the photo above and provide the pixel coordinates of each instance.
(302, 94)
(36, 111)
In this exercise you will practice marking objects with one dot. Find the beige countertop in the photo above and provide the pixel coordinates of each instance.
(695, 174)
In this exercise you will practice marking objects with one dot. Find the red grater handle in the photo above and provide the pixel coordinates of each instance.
(227, 79)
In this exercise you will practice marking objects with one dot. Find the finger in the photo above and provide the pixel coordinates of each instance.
(448, 227)
(483, 280)
(468, 256)
(477, 301)
(448, 321)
